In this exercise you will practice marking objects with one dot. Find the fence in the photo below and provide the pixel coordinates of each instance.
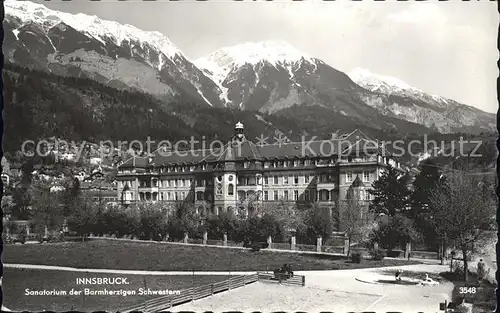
(191, 294)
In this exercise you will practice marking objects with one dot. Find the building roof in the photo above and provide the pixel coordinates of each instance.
(248, 150)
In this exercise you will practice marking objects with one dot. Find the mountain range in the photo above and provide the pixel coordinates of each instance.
(269, 77)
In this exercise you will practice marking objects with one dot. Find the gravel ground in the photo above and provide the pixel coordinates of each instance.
(269, 297)
(338, 291)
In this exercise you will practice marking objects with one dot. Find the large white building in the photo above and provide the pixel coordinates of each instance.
(294, 172)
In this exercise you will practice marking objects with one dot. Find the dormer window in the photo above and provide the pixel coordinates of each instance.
(296, 163)
(204, 167)
(246, 164)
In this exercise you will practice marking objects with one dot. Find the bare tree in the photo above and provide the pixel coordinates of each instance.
(463, 209)
(355, 219)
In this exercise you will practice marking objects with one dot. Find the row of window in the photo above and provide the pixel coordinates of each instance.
(365, 177)
(268, 180)
(286, 195)
(275, 195)
(270, 164)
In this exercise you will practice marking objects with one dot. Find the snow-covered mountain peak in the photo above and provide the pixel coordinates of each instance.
(275, 52)
(394, 86)
(375, 82)
(29, 12)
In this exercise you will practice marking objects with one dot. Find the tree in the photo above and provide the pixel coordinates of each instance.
(464, 210)
(184, 220)
(153, 220)
(224, 223)
(258, 228)
(318, 223)
(394, 232)
(47, 210)
(390, 192)
(83, 217)
(354, 218)
(289, 217)
(426, 181)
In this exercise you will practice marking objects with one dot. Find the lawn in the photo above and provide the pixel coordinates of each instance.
(170, 257)
(15, 281)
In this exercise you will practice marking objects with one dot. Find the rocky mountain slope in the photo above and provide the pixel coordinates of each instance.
(392, 96)
(268, 77)
(120, 56)
(271, 76)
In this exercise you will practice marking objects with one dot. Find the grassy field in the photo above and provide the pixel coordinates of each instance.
(169, 257)
(15, 281)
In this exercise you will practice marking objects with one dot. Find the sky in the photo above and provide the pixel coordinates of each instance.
(444, 48)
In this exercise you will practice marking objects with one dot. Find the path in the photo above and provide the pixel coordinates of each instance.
(336, 290)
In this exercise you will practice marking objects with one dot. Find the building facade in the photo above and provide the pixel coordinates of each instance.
(241, 171)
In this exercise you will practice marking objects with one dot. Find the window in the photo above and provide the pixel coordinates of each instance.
(266, 164)
(276, 195)
(285, 194)
(246, 164)
(266, 195)
(161, 196)
(306, 195)
(349, 177)
(275, 180)
(295, 195)
(306, 179)
(366, 176)
(296, 179)
(266, 180)
(181, 183)
(296, 163)
(199, 195)
(203, 167)
(165, 183)
(362, 195)
(230, 189)
(285, 180)
(183, 195)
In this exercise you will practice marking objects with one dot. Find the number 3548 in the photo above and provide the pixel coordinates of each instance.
(465, 290)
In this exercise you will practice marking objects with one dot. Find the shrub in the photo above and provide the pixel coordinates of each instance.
(356, 257)
(394, 253)
(22, 234)
(377, 254)
(6, 239)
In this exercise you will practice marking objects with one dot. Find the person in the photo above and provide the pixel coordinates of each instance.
(480, 270)
(398, 275)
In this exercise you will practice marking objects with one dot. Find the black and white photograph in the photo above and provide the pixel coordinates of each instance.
(335, 156)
